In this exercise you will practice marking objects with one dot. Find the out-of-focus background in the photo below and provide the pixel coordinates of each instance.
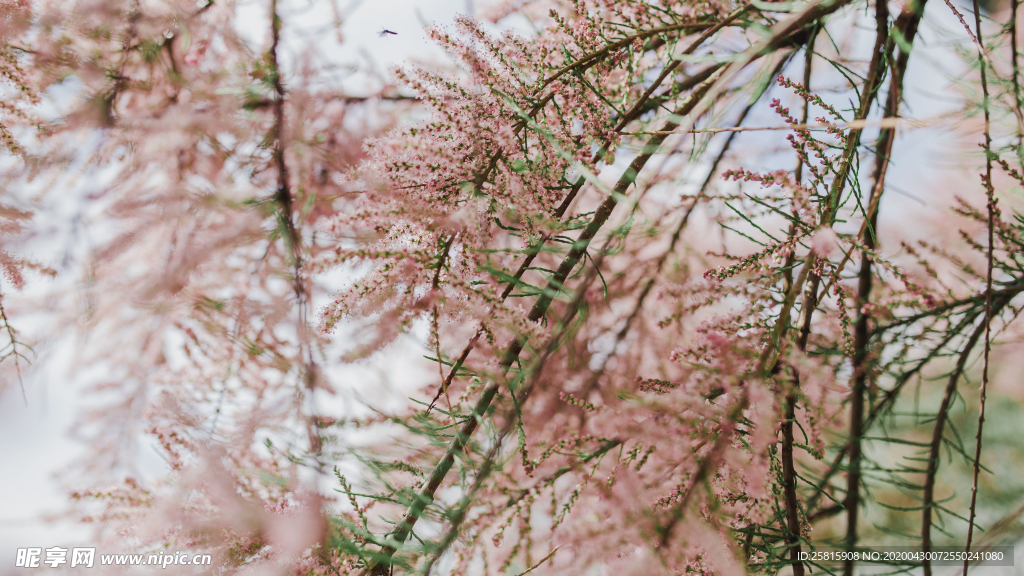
(38, 442)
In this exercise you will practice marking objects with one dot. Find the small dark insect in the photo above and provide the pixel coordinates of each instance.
(384, 32)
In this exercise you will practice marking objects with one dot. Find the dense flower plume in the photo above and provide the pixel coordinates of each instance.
(618, 288)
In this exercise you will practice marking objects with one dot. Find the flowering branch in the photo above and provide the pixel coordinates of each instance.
(991, 208)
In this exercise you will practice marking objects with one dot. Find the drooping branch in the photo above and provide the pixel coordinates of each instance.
(515, 347)
(536, 247)
(638, 108)
(694, 107)
(537, 367)
(783, 36)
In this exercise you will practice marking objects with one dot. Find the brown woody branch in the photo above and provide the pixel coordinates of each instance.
(990, 194)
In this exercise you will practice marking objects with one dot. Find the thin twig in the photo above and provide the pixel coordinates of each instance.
(860, 355)
(594, 57)
(928, 494)
(855, 124)
(542, 560)
(14, 348)
(990, 194)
